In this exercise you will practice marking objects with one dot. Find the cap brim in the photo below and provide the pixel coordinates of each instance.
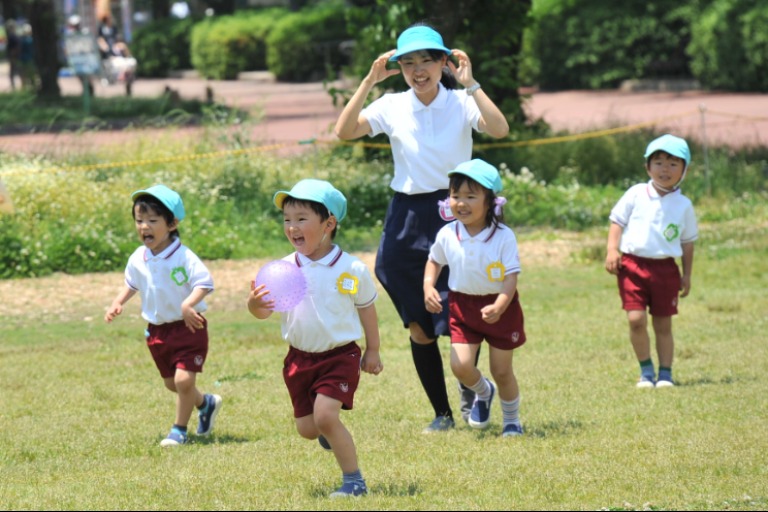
(416, 47)
(279, 198)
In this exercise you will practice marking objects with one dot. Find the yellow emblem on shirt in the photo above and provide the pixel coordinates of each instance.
(495, 271)
(347, 284)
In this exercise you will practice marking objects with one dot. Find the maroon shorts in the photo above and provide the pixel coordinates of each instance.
(174, 346)
(334, 374)
(649, 283)
(468, 326)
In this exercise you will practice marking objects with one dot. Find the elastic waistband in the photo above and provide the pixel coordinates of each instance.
(467, 296)
(649, 261)
(323, 355)
(170, 325)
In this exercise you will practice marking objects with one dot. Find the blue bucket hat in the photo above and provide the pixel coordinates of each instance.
(171, 199)
(419, 38)
(675, 146)
(318, 191)
(480, 171)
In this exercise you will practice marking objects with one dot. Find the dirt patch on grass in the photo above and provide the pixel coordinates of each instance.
(62, 297)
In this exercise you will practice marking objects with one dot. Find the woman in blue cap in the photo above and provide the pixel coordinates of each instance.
(430, 129)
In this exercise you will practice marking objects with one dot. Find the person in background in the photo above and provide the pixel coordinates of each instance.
(652, 224)
(12, 50)
(27, 68)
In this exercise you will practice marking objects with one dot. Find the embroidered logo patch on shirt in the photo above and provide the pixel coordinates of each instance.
(495, 271)
(179, 276)
(672, 232)
(347, 284)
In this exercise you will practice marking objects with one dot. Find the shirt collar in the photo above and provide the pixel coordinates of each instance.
(439, 102)
(485, 235)
(166, 253)
(654, 194)
(328, 260)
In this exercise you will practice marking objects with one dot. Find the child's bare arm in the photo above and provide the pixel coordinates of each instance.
(613, 256)
(685, 282)
(116, 307)
(492, 312)
(431, 295)
(192, 319)
(371, 362)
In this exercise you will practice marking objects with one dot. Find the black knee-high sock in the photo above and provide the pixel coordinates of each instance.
(429, 366)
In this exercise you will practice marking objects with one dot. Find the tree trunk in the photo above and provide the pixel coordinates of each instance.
(46, 36)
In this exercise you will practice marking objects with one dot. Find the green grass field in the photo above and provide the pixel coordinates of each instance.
(83, 408)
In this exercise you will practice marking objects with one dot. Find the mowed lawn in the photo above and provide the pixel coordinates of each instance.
(83, 408)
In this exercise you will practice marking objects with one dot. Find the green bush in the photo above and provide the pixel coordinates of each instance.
(80, 221)
(305, 46)
(162, 46)
(596, 44)
(729, 46)
(223, 47)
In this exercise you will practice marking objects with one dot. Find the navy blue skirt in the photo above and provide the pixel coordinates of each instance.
(410, 229)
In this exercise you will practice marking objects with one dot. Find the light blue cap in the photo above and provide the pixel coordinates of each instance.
(675, 146)
(480, 171)
(318, 191)
(170, 198)
(419, 38)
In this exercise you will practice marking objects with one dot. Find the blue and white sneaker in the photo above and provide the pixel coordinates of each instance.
(324, 443)
(645, 382)
(440, 424)
(207, 415)
(665, 383)
(350, 490)
(480, 416)
(175, 438)
(512, 430)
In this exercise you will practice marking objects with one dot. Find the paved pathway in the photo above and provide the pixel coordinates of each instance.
(296, 112)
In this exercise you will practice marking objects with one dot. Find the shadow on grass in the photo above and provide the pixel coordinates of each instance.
(707, 381)
(399, 490)
(540, 431)
(214, 439)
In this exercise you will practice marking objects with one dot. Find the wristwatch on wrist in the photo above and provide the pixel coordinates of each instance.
(472, 89)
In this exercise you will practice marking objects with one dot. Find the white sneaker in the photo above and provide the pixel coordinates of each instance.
(665, 384)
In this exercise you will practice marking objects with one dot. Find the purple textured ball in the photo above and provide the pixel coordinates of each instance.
(285, 282)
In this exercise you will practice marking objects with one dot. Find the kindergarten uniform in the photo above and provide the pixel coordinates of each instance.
(427, 142)
(654, 229)
(164, 281)
(478, 267)
(323, 328)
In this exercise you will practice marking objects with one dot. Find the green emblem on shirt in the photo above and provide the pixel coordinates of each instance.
(179, 276)
(672, 232)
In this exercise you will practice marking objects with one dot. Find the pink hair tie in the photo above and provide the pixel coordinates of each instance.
(500, 202)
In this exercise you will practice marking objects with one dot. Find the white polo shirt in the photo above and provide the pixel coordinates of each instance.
(166, 280)
(478, 264)
(327, 316)
(427, 140)
(654, 226)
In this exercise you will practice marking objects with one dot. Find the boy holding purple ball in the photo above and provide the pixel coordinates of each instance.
(322, 368)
